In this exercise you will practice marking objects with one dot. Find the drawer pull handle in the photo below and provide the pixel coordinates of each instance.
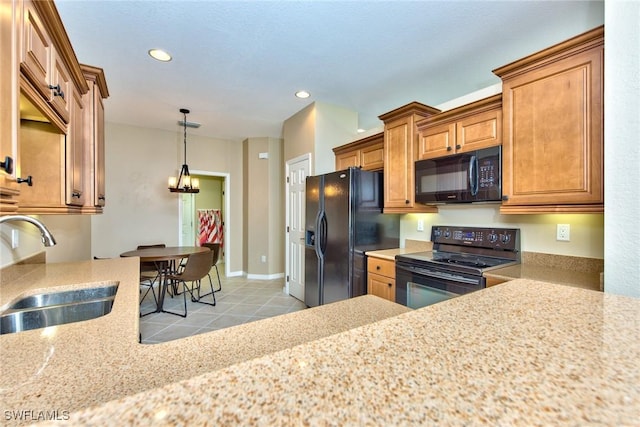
(377, 267)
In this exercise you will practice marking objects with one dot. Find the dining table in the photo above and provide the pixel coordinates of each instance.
(166, 262)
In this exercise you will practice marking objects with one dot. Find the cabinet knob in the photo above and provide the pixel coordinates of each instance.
(449, 148)
(7, 165)
(458, 146)
(406, 202)
(377, 267)
(28, 180)
(389, 284)
(57, 91)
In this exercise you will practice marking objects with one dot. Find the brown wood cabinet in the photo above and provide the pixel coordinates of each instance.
(492, 281)
(367, 153)
(553, 128)
(381, 278)
(9, 189)
(94, 138)
(400, 144)
(466, 128)
(52, 121)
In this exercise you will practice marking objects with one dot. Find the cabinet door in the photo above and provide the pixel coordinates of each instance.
(372, 158)
(381, 266)
(98, 145)
(75, 142)
(552, 152)
(35, 58)
(62, 84)
(399, 190)
(482, 130)
(346, 160)
(382, 286)
(437, 141)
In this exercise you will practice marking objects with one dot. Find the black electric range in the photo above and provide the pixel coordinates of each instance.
(456, 264)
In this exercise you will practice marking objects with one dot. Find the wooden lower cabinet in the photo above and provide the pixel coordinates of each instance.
(381, 278)
(492, 281)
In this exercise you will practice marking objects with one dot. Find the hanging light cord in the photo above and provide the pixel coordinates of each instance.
(184, 112)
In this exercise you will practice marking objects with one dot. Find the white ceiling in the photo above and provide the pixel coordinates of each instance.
(237, 64)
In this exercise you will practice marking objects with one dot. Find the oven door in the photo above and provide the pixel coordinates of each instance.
(419, 286)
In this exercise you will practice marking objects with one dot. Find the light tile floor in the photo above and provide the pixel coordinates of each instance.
(241, 300)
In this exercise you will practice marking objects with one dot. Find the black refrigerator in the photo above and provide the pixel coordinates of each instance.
(344, 219)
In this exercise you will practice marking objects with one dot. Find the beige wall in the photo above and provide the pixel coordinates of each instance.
(317, 129)
(538, 232)
(264, 207)
(621, 130)
(140, 209)
(299, 134)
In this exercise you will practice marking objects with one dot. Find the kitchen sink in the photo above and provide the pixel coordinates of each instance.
(66, 297)
(57, 308)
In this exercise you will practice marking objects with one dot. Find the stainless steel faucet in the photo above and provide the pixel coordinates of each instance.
(47, 237)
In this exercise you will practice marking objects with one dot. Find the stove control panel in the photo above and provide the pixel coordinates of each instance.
(480, 237)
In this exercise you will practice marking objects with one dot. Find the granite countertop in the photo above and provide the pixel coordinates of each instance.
(78, 365)
(565, 270)
(519, 353)
(411, 246)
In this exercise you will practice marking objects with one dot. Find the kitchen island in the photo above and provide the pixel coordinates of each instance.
(519, 353)
(70, 367)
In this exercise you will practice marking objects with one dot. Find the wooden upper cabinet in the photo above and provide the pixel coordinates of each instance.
(467, 128)
(366, 153)
(553, 128)
(400, 145)
(51, 122)
(9, 189)
(74, 150)
(36, 52)
(94, 138)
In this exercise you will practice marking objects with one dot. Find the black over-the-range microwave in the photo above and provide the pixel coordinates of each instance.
(475, 176)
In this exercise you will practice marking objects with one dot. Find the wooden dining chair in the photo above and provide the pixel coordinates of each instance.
(149, 275)
(196, 268)
(215, 248)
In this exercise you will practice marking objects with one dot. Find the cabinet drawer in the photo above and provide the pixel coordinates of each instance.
(381, 286)
(381, 266)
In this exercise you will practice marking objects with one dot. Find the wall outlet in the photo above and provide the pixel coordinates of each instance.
(420, 225)
(263, 258)
(563, 232)
(15, 238)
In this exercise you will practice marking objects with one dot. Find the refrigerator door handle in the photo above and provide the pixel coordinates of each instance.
(323, 233)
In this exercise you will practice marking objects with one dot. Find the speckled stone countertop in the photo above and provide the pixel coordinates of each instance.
(520, 353)
(411, 246)
(565, 270)
(74, 366)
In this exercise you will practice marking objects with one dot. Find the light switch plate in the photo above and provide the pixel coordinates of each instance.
(420, 225)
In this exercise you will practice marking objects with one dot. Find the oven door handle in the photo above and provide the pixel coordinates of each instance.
(439, 275)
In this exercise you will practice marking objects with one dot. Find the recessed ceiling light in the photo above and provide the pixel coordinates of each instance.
(303, 94)
(160, 55)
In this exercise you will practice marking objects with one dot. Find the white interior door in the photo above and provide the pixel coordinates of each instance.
(297, 171)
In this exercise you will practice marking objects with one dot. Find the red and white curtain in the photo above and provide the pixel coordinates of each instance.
(210, 228)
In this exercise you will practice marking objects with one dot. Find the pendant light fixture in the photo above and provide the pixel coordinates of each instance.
(184, 183)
